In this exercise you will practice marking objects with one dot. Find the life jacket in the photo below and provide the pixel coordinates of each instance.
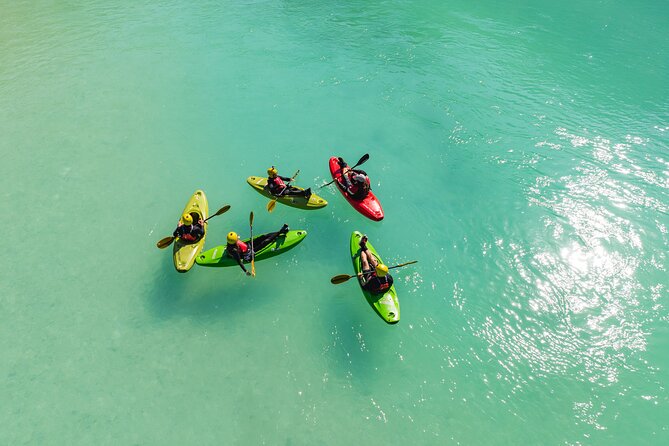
(383, 283)
(239, 250)
(276, 184)
(188, 236)
(243, 247)
(359, 191)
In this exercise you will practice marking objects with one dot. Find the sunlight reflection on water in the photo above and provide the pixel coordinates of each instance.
(575, 294)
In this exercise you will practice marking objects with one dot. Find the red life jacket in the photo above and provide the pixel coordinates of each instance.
(279, 185)
(383, 285)
(188, 236)
(243, 247)
(357, 190)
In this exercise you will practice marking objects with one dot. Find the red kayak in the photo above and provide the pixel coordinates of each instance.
(368, 206)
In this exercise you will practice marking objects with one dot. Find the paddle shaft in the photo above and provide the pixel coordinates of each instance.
(222, 210)
(253, 254)
(272, 202)
(344, 277)
(289, 181)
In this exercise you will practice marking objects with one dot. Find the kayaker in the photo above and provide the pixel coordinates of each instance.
(279, 186)
(241, 251)
(375, 277)
(187, 230)
(356, 182)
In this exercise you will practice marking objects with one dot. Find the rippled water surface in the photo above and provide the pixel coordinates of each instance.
(521, 154)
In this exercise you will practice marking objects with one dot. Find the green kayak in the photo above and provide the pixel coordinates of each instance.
(217, 256)
(386, 305)
(313, 202)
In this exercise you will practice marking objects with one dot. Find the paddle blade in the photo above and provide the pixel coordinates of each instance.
(362, 159)
(271, 205)
(165, 242)
(222, 210)
(341, 278)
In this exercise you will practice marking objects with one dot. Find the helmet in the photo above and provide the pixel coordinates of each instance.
(232, 237)
(381, 270)
(272, 172)
(187, 219)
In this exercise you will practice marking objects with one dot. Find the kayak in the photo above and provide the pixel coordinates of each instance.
(386, 305)
(217, 256)
(184, 253)
(314, 202)
(368, 206)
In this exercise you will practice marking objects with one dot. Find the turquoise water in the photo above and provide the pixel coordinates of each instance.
(520, 151)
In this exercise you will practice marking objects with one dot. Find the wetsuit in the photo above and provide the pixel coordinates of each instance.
(378, 285)
(278, 188)
(357, 189)
(241, 251)
(189, 233)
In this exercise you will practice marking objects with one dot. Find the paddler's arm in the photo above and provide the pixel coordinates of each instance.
(241, 264)
(366, 275)
(176, 231)
(198, 231)
(235, 255)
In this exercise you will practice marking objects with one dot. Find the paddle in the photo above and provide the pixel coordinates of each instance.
(362, 160)
(253, 254)
(167, 241)
(341, 278)
(272, 204)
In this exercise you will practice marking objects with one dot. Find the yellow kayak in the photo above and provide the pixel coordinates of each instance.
(184, 252)
(314, 202)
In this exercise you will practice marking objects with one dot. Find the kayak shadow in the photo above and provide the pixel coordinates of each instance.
(361, 339)
(201, 293)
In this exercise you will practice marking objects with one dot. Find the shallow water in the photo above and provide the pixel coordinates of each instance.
(537, 313)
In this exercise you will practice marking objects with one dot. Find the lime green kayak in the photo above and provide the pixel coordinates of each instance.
(314, 202)
(218, 257)
(184, 253)
(386, 305)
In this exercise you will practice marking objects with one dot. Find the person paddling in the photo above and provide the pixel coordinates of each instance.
(280, 186)
(375, 277)
(189, 231)
(241, 251)
(356, 182)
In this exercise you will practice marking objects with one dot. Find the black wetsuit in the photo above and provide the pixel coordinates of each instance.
(234, 252)
(259, 243)
(189, 233)
(288, 190)
(379, 285)
(363, 188)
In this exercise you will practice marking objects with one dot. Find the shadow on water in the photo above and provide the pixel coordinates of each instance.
(359, 338)
(202, 293)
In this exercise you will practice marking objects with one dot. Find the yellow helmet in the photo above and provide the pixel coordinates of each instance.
(272, 172)
(187, 219)
(232, 237)
(381, 270)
